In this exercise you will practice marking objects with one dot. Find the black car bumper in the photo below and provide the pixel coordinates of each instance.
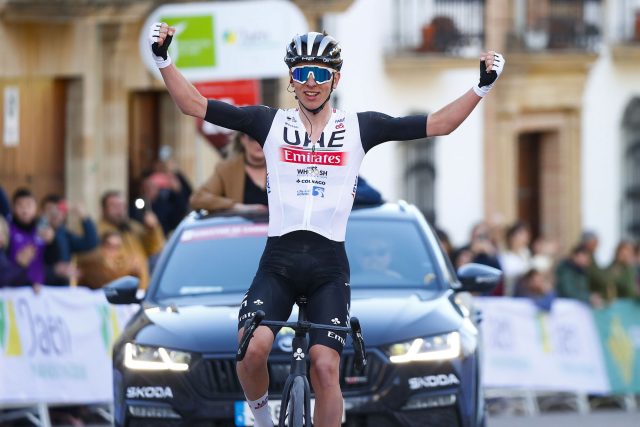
(425, 394)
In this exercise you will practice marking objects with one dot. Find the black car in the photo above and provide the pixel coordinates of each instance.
(174, 365)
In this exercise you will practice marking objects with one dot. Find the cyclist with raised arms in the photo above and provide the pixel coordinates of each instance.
(313, 155)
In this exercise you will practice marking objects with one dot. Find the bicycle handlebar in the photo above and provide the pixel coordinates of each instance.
(359, 362)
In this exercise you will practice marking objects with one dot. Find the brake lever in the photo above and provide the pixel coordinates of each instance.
(360, 360)
(250, 327)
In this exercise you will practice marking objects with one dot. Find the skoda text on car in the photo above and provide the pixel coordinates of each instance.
(174, 364)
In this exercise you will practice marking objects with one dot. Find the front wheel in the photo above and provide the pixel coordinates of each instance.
(295, 408)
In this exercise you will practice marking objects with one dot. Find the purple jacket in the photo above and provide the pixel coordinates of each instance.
(10, 273)
(21, 237)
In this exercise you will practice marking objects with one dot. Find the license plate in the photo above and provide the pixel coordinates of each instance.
(244, 417)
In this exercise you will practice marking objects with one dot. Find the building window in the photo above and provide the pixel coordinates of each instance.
(631, 170)
(420, 175)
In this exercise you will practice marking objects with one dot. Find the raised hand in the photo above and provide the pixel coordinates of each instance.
(491, 66)
(160, 36)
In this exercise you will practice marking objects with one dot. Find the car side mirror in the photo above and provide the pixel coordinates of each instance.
(123, 290)
(478, 278)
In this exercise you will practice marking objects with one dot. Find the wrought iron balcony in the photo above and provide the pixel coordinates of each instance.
(445, 27)
(556, 25)
(627, 18)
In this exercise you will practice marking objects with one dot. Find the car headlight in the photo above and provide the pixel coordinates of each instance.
(148, 358)
(439, 347)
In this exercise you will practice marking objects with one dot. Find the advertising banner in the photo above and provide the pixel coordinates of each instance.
(55, 346)
(548, 351)
(234, 92)
(619, 328)
(227, 40)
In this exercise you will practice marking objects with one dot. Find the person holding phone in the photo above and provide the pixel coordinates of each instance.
(29, 236)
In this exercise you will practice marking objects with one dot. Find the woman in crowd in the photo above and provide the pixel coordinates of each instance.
(239, 182)
(622, 274)
(516, 259)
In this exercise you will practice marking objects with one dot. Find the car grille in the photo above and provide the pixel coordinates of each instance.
(217, 377)
(368, 380)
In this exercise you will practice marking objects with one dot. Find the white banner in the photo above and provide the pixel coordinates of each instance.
(227, 40)
(527, 348)
(55, 346)
(11, 131)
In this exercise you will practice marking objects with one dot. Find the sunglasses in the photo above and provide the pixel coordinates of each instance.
(320, 75)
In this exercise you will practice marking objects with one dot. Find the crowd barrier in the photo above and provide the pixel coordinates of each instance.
(571, 348)
(55, 347)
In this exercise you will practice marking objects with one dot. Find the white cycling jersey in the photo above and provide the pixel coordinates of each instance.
(311, 186)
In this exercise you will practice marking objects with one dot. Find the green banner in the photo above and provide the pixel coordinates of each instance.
(193, 45)
(619, 329)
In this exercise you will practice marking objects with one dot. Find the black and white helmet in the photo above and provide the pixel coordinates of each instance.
(314, 47)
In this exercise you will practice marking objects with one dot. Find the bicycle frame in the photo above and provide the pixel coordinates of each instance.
(299, 354)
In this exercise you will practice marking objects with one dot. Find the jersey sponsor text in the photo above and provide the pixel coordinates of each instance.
(333, 158)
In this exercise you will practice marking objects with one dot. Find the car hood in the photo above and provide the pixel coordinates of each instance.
(386, 316)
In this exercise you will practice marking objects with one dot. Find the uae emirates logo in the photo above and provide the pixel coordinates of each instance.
(328, 158)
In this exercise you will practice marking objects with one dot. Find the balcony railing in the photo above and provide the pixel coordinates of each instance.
(450, 27)
(627, 28)
(547, 25)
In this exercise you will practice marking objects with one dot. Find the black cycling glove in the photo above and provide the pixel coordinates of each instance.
(488, 79)
(160, 53)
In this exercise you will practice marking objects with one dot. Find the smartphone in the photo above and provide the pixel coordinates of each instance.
(42, 223)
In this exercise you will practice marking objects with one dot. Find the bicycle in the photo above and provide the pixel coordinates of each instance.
(296, 396)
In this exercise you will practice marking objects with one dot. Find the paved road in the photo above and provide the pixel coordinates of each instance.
(597, 419)
(594, 419)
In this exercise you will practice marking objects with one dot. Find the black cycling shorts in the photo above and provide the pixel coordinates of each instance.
(302, 263)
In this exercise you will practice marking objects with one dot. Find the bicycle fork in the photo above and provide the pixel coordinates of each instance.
(298, 371)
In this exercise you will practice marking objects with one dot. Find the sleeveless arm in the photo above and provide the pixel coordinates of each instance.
(376, 128)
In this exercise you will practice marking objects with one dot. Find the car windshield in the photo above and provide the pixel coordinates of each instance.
(223, 258)
(385, 253)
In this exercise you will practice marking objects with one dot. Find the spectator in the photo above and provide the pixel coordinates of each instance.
(537, 286)
(166, 165)
(142, 242)
(572, 278)
(516, 259)
(497, 230)
(622, 273)
(162, 194)
(5, 208)
(461, 256)
(597, 276)
(366, 194)
(483, 249)
(445, 242)
(11, 273)
(29, 236)
(60, 269)
(109, 262)
(238, 182)
(544, 254)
